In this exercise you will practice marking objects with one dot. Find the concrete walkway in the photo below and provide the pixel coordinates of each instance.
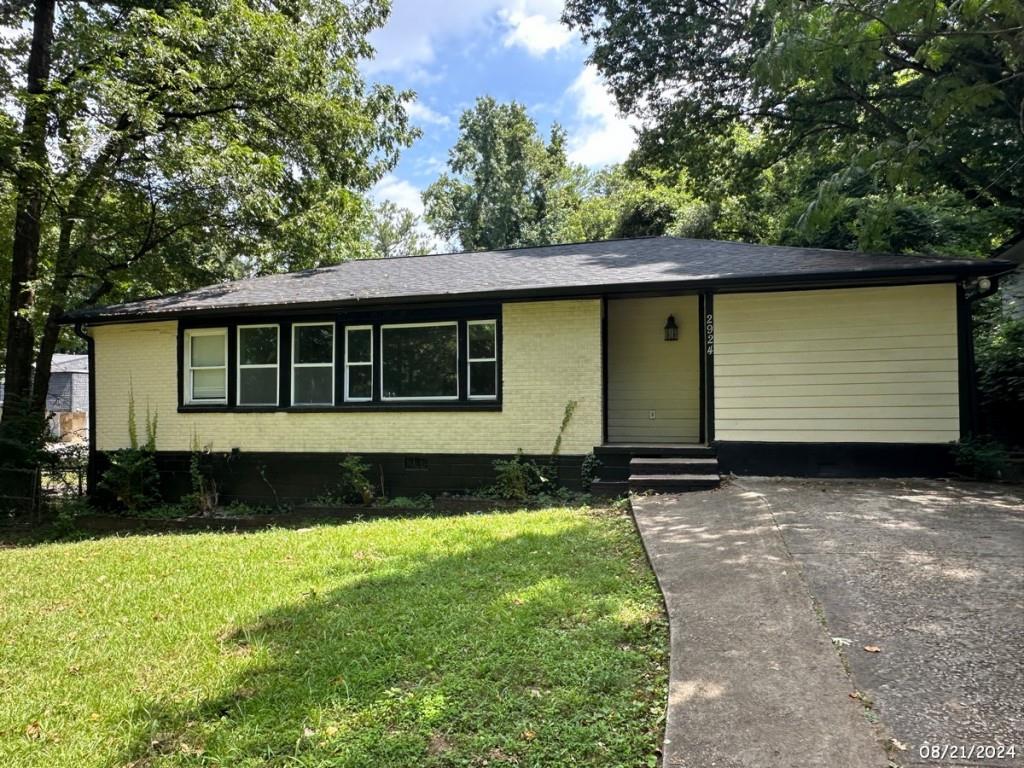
(754, 680)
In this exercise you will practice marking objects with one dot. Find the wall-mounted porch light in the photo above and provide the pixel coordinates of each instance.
(671, 329)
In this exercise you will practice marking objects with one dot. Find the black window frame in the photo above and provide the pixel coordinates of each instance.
(239, 365)
(342, 320)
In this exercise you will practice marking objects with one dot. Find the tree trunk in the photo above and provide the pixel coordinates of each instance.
(65, 264)
(64, 268)
(29, 188)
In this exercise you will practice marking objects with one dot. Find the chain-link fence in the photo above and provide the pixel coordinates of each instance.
(63, 471)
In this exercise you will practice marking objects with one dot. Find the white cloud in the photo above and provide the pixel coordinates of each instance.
(537, 33)
(599, 135)
(421, 113)
(399, 191)
(408, 40)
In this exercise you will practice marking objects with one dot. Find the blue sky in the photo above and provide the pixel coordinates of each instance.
(451, 52)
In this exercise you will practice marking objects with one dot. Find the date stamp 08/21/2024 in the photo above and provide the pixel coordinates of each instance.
(967, 751)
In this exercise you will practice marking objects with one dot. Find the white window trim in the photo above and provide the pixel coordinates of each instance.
(240, 367)
(191, 333)
(295, 350)
(470, 360)
(360, 363)
(452, 323)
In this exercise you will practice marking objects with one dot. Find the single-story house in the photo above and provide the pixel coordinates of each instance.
(684, 358)
(67, 398)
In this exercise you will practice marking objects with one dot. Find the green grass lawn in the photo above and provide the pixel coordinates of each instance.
(530, 639)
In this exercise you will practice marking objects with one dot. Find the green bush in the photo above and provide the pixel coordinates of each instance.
(983, 458)
(203, 498)
(589, 469)
(132, 478)
(518, 478)
(999, 354)
(353, 485)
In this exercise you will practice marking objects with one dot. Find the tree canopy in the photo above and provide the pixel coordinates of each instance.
(150, 147)
(881, 116)
(391, 231)
(505, 185)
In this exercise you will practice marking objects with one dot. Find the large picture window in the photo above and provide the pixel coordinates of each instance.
(258, 378)
(313, 364)
(359, 363)
(482, 349)
(206, 359)
(420, 361)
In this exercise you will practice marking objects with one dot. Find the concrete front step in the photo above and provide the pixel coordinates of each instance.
(673, 482)
(668, 466)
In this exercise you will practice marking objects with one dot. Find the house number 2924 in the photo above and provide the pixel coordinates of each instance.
(709, 334)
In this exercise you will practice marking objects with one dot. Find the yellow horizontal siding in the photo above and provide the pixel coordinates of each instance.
(846, 365)
(856, 344)
(647, 373)
(551, 354)
(805, 393)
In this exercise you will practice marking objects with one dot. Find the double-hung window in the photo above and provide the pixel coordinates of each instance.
(358, 363)
(313, 364)
(258, 360)
(482, 355)
(419, 361)
(206, 362)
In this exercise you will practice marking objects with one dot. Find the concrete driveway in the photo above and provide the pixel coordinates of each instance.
(761, 575)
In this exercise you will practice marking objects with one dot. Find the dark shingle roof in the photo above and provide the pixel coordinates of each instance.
(575, 269)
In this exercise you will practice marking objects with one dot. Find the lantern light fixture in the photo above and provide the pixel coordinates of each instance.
(671, 329)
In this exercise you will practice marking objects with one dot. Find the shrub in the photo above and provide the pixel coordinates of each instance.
(983, 458)
(132, 477)
(202, 499)
(353, 485)
(589, 469)
(518, 478)
(999, 353)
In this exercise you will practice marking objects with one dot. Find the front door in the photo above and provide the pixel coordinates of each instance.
(653, 384)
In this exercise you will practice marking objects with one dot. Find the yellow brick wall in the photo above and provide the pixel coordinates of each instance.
(551, 354)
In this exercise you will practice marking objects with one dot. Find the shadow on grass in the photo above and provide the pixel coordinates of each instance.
(533, 650)
(100, 524)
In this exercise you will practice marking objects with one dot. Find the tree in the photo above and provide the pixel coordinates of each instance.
(999, 340)
(394, 231)
(615, 203)
(505, 187)
(163, 145)
(898, 99)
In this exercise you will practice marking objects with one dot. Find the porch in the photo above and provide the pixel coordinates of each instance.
(656, 379)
